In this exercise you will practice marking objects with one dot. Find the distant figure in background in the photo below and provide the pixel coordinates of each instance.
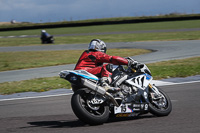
(13, 21)
(46, 38)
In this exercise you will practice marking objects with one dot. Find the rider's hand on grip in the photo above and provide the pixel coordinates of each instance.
(135, 65)
(132, 63)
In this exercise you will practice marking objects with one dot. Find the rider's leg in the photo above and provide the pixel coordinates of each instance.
(106, 73)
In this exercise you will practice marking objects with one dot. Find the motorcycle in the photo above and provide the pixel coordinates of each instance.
(47, 40)
(93, 105)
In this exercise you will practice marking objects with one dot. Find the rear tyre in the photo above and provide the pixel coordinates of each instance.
(98, 115)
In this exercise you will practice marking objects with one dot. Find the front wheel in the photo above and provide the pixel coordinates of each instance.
(87, 112)
(161, 105)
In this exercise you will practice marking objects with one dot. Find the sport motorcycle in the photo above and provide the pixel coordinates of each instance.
(92, 104)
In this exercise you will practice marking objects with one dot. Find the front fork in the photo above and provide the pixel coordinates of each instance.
(156, 94)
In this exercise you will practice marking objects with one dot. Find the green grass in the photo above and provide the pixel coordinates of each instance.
(189, 35)
(34, 85)
(160, 70)
(192, 35)
(175, 68)
(21, 60)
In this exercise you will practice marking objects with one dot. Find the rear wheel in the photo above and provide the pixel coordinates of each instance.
(87, 112)
(160, 105)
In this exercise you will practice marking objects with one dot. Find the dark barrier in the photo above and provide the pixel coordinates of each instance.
(78, 24)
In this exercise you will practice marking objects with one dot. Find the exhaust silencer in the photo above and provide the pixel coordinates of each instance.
(100, 90)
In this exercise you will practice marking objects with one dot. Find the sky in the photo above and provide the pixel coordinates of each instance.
(67, 10)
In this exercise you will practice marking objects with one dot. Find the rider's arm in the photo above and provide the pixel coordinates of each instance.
(116, 60)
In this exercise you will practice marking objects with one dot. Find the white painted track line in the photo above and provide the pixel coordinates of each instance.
(22, 98)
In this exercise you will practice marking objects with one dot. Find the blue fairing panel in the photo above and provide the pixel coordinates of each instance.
(148, 77)
(85, 74)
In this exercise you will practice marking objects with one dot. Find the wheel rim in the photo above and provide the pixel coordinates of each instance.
(96, 110)
(160, 103)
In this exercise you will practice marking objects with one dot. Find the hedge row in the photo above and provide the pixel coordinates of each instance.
(122, 20)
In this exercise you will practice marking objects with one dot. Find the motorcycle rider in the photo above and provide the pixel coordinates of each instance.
(46, 37)
(92, 61)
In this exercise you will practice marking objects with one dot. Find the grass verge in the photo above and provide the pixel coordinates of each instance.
(33, 85)
(160, 70)
(32, 59)
(175, 68)
(189, 35)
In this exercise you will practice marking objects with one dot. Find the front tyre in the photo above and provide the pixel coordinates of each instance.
(88, 113)
(161, 106)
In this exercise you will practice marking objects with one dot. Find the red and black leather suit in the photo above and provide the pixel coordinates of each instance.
(92, 61)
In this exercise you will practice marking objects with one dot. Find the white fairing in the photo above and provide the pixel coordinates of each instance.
(144, 69)
(140, 81)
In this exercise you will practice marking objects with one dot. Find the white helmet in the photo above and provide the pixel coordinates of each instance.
(97, 44)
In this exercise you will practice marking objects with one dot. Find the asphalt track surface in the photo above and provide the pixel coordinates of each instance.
(54, 115)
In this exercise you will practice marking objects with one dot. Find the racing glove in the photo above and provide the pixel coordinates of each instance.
(133, 63)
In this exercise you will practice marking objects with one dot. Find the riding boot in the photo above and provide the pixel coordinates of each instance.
(105, 81)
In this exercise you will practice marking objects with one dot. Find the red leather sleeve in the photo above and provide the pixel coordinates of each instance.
(116, 60)
(103, 58)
